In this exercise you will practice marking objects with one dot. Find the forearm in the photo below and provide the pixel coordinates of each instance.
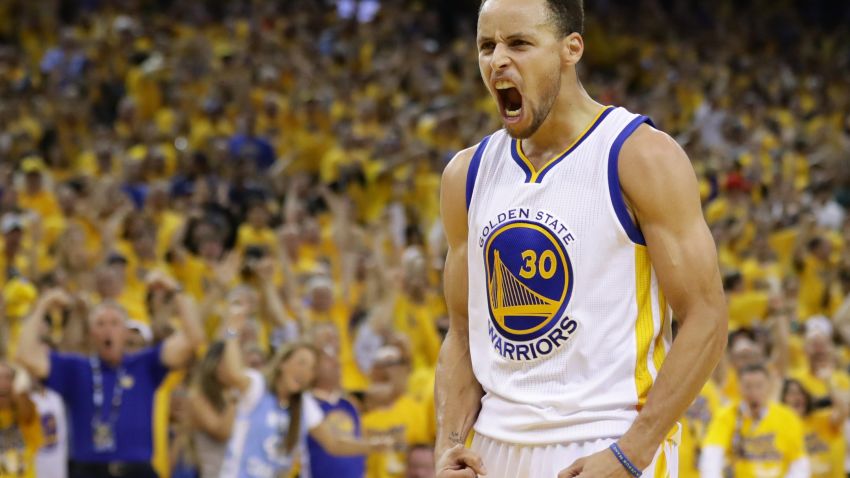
(692, 358)
(190, 320)
(341, 445)
(457, 393)
(234, 370)
(32, 353)
(274, 304)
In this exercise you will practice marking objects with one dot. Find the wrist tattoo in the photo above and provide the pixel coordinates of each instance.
(455, 438)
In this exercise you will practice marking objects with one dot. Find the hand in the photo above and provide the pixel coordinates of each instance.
(158, 279)
(264, 269)
(237, 315)
(56, 298)
(599, 465)
(380, 444)
(225, 270)
(460, 462)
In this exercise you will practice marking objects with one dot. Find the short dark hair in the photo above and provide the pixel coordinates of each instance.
(754, 368)
(568, 15)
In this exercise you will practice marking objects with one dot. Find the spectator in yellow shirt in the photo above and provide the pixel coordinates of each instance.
(35, 196)
(694, 427)
(816, 276)
(757, 438)
(825, 442)
(820, 375)
(392, 414)
(20, 428)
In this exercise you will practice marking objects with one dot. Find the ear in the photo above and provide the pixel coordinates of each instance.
(572, 49)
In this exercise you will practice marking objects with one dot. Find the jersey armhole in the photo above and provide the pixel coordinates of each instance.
(472, 172)
(614, 191)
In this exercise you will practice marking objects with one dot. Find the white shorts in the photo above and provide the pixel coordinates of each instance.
(505, 460)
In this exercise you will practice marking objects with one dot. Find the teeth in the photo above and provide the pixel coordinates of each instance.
(504, 85)
(513, 113)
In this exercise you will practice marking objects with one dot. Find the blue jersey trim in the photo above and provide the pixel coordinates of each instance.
(472, 173)
(614, 190)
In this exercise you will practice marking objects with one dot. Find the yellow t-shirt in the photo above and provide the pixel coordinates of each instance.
(747, 308)
(812, 298)
(818, 388)
(420, 386)
(42, 202)
(825, 445)
(161, 411)
(764, 449)
(19, 442)
(404, 422)
(694, 427)
(417, 321)
(264, 237)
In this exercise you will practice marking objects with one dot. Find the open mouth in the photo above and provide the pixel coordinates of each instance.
(510, 100)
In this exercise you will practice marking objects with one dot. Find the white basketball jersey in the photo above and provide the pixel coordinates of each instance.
(567, 324)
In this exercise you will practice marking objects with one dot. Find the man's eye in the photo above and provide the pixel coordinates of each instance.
(519, 43)
(486, 46)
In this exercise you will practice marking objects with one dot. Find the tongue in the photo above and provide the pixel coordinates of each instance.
(513, 100)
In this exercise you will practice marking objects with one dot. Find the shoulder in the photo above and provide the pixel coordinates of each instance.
(66, 361)
(145, 356)
(454, 174)
(726, 412)
(650, 154)
(657, 177)
(453, 195)
(785, 415)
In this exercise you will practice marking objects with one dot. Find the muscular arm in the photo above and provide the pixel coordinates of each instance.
(659, 184)
(457, 392)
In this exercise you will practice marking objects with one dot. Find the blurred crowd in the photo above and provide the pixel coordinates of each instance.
(268, 173)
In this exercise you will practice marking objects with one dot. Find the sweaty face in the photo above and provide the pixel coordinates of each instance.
(519, 58)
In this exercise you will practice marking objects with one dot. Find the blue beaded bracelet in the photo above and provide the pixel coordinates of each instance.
(628, 465)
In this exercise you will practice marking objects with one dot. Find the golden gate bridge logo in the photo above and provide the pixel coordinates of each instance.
(529, 281)
(510, 297)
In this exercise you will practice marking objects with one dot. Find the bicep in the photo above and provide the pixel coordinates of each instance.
(454, 217)
(662, 189)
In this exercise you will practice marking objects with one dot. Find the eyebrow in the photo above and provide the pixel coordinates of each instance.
(512, 36)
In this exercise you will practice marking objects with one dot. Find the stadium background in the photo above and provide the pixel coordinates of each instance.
(237, 144)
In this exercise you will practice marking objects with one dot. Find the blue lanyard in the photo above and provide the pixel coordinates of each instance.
(97, 396)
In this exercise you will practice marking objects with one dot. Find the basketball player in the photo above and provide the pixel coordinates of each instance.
(572, 233)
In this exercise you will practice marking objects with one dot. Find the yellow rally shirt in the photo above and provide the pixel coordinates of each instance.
(760, 449)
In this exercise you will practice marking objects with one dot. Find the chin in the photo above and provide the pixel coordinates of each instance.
(520, 131)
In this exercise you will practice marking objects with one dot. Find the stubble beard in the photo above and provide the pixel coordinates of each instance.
(541, 112)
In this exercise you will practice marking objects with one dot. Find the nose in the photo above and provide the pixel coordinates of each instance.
(500, 58)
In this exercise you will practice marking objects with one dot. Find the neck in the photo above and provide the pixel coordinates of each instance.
(325, 393)
(571, 113)
(756, 410)
(113, 360)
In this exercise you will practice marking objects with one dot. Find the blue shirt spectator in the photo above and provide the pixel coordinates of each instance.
(343, 417)
(72, 377)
